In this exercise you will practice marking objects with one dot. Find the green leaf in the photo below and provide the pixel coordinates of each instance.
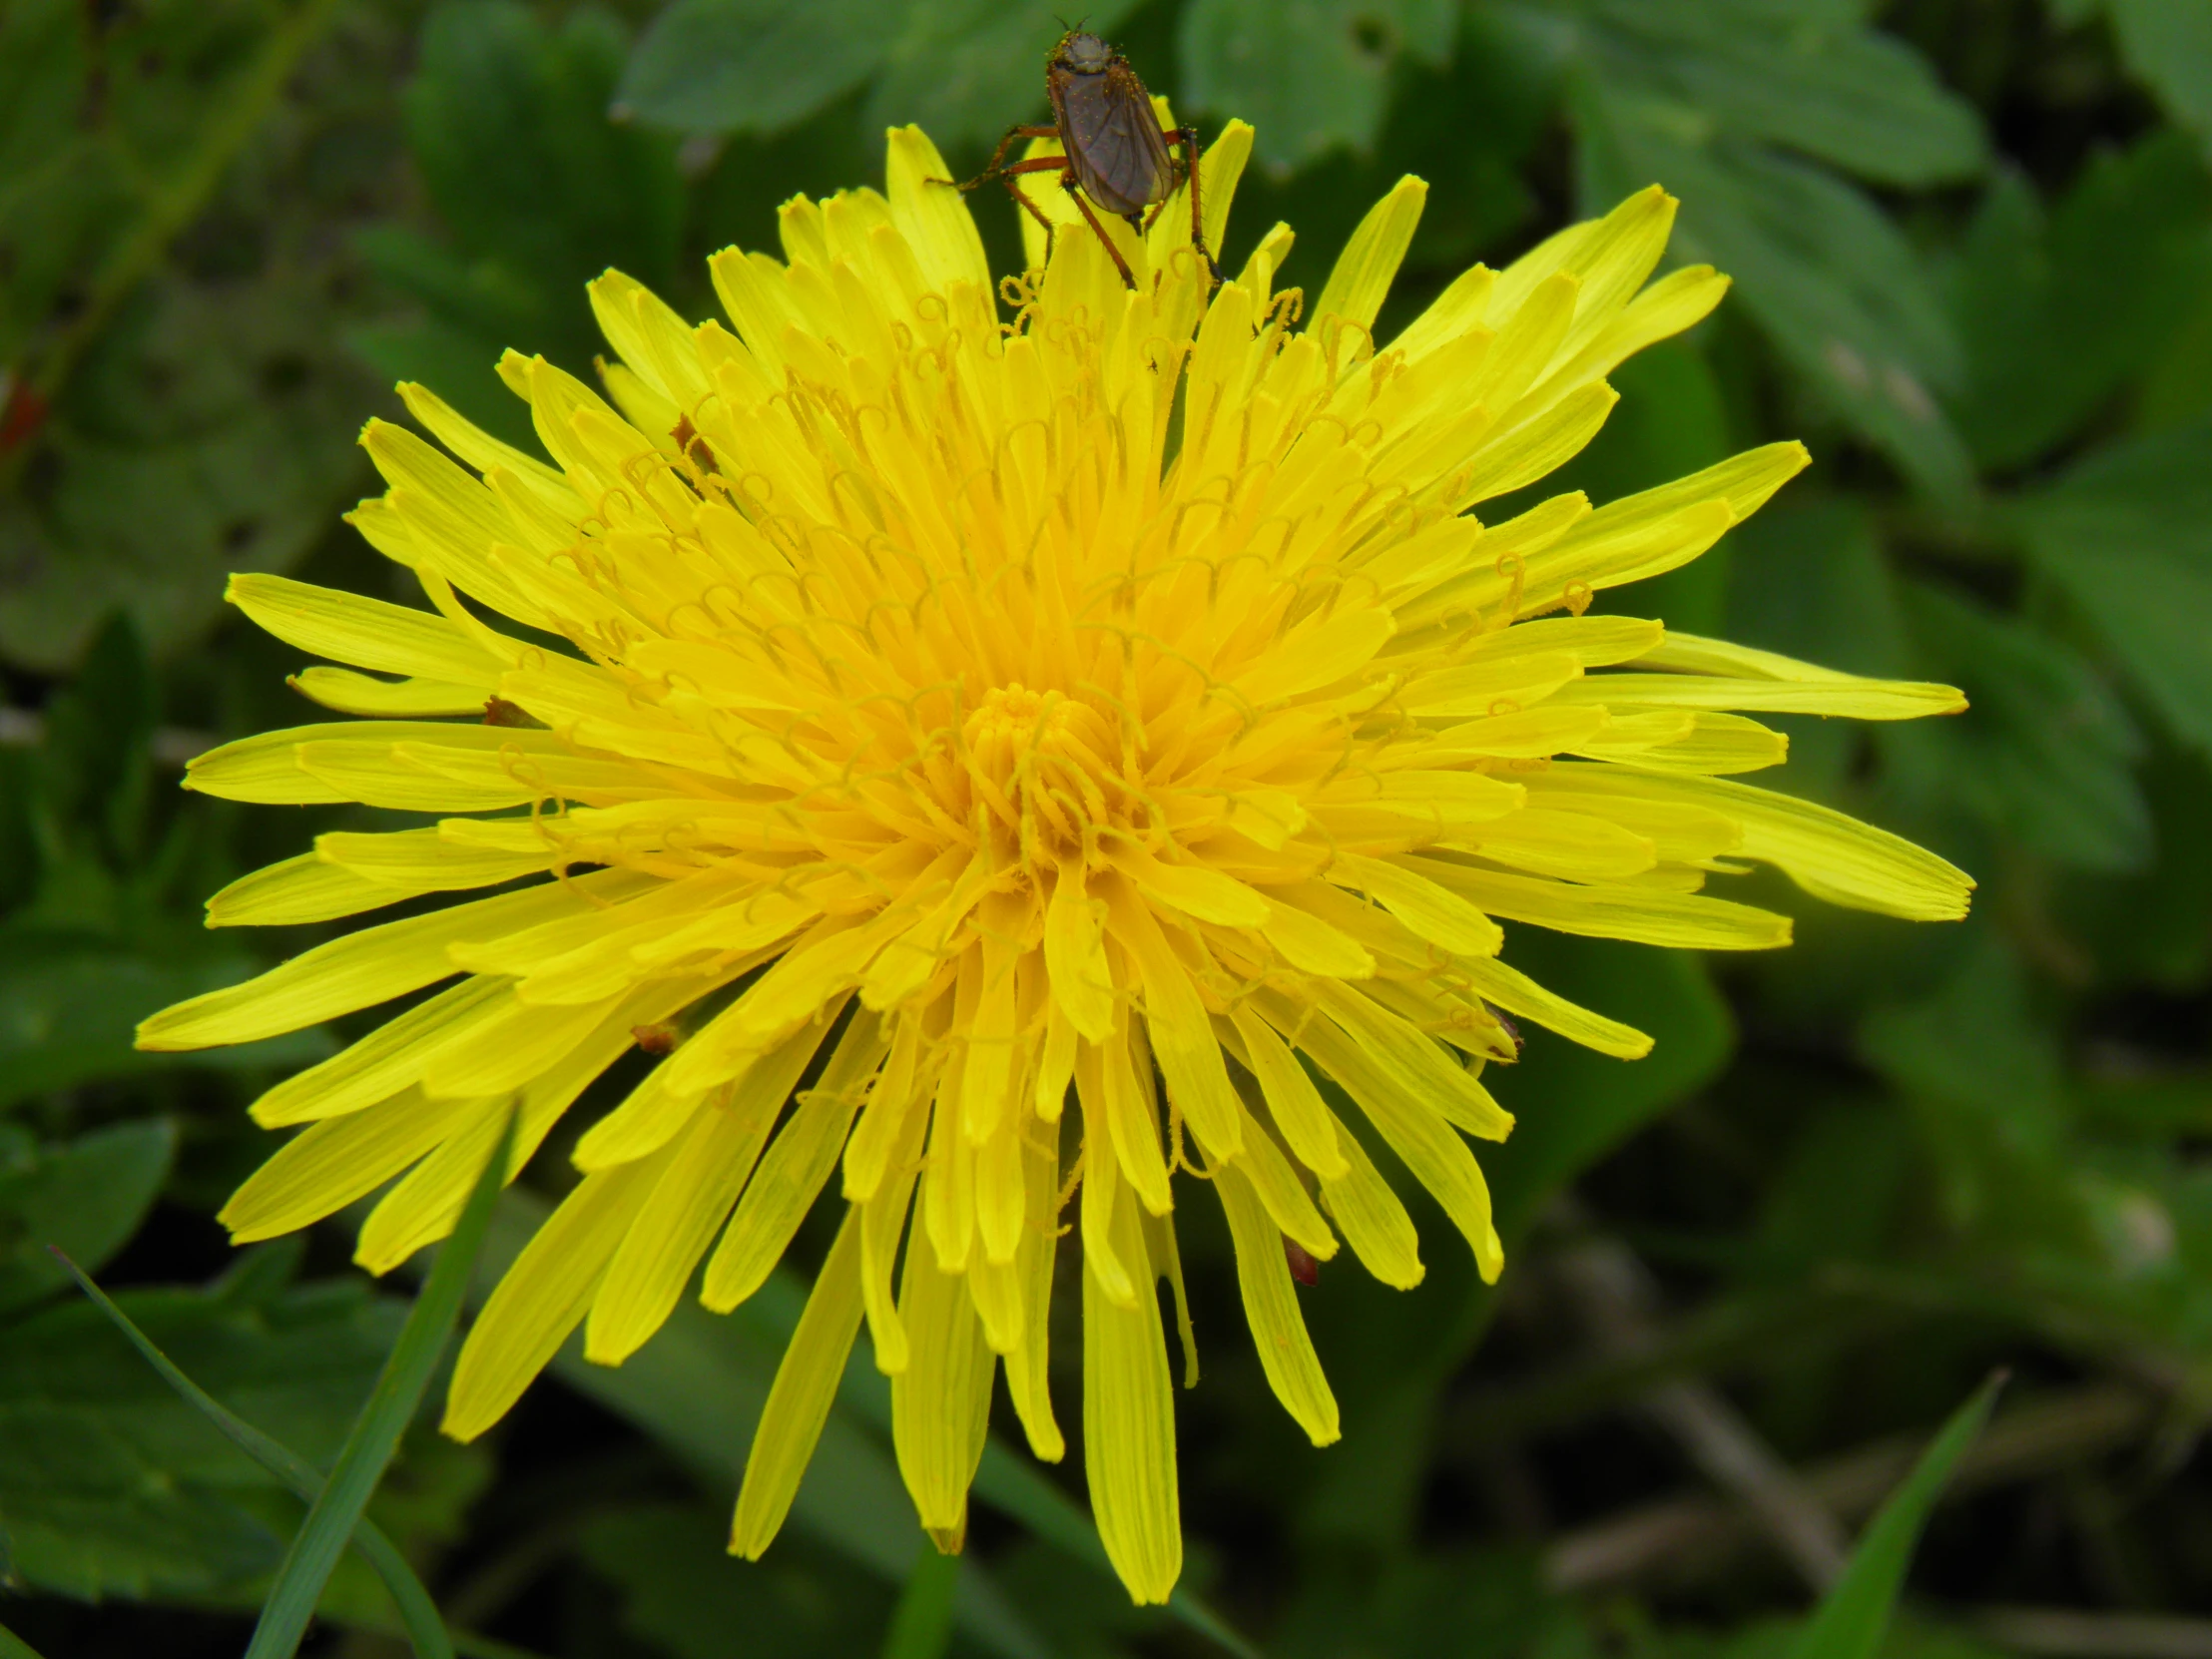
(483, 297)
(1310, 75)
(1974, 1040)
(95, 765)
(13, 1646)
(460, 366)
(967, 69)
(200, 421)
(112, 1485)
(209, 431)
(1823, 270)
(2127, 534)
(2168, 44)
(2148, 926)
(1826, 86)
(1853, 1616)
(921, 1627)
(2050, 753)
(336, 1511)
(683, 1592)
(42, 64)
(2055, 316)
(68, 1009)
(508, 121)
(1573, 1106)
(1807, 579)
(754, 66)
(1668, 424)
(86, 1197)
(1985, 1076)
(539, 189)
(416, 1610)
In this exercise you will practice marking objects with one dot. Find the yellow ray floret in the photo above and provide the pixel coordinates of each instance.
(1021, 745)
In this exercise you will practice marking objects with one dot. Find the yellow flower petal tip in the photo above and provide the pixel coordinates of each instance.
(1063, 727)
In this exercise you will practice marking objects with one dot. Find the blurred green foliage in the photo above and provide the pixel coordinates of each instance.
(1972, 246)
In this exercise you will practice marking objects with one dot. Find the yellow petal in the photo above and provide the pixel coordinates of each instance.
(1270, 1308)
(1554, 842)
(1365, 269)
(1293, 1101)
(425, 860)
(1374, 1223)
(543, 1297)
(1512, 990)
(1415, 1131)
(369, 633)
(1827, 854)
(484, 452)
(931, 213)
(790, 1176)
(367, 967)
(1689, 654)
(424, 1208)
(1411, 1064)
(1432, 912)
(1182, 1038)
(1075, 955)
(1124, 1106)
(1194, 889)
(661, 1105)
(1028, 1377)
(395, 1054)
(1682, 922)
(673, 1230)
(798, 1401)
(1312, 945)
(266, 767)
(1842, 693)
(1671, 741)
(330, 1164)
(1288, 1207)
(364, 694)
(1129, 1428)
(940, 1404)
(300, 889)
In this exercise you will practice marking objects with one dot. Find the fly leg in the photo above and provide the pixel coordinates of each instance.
(994, 170)
(1035, 163)
(1075, 192)
(1187, 137)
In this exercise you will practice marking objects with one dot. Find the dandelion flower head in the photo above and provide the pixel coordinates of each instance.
(1028, 754)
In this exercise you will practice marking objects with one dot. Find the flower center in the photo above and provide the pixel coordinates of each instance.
(1043, 765)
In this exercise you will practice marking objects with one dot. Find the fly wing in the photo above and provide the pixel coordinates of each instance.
(1114, 141)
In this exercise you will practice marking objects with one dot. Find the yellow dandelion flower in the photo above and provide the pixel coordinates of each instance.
(1009, 764)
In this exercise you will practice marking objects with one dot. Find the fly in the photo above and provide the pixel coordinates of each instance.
(1114, 152)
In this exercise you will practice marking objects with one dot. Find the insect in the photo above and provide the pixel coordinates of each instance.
(1115, 152)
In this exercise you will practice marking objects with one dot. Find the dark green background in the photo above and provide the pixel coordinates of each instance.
(1973, 243)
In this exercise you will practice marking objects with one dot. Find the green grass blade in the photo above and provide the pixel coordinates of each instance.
(921, 1624)
(1853, 1616)
(417, 1612)
(13, 1646)
(375, 1433)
